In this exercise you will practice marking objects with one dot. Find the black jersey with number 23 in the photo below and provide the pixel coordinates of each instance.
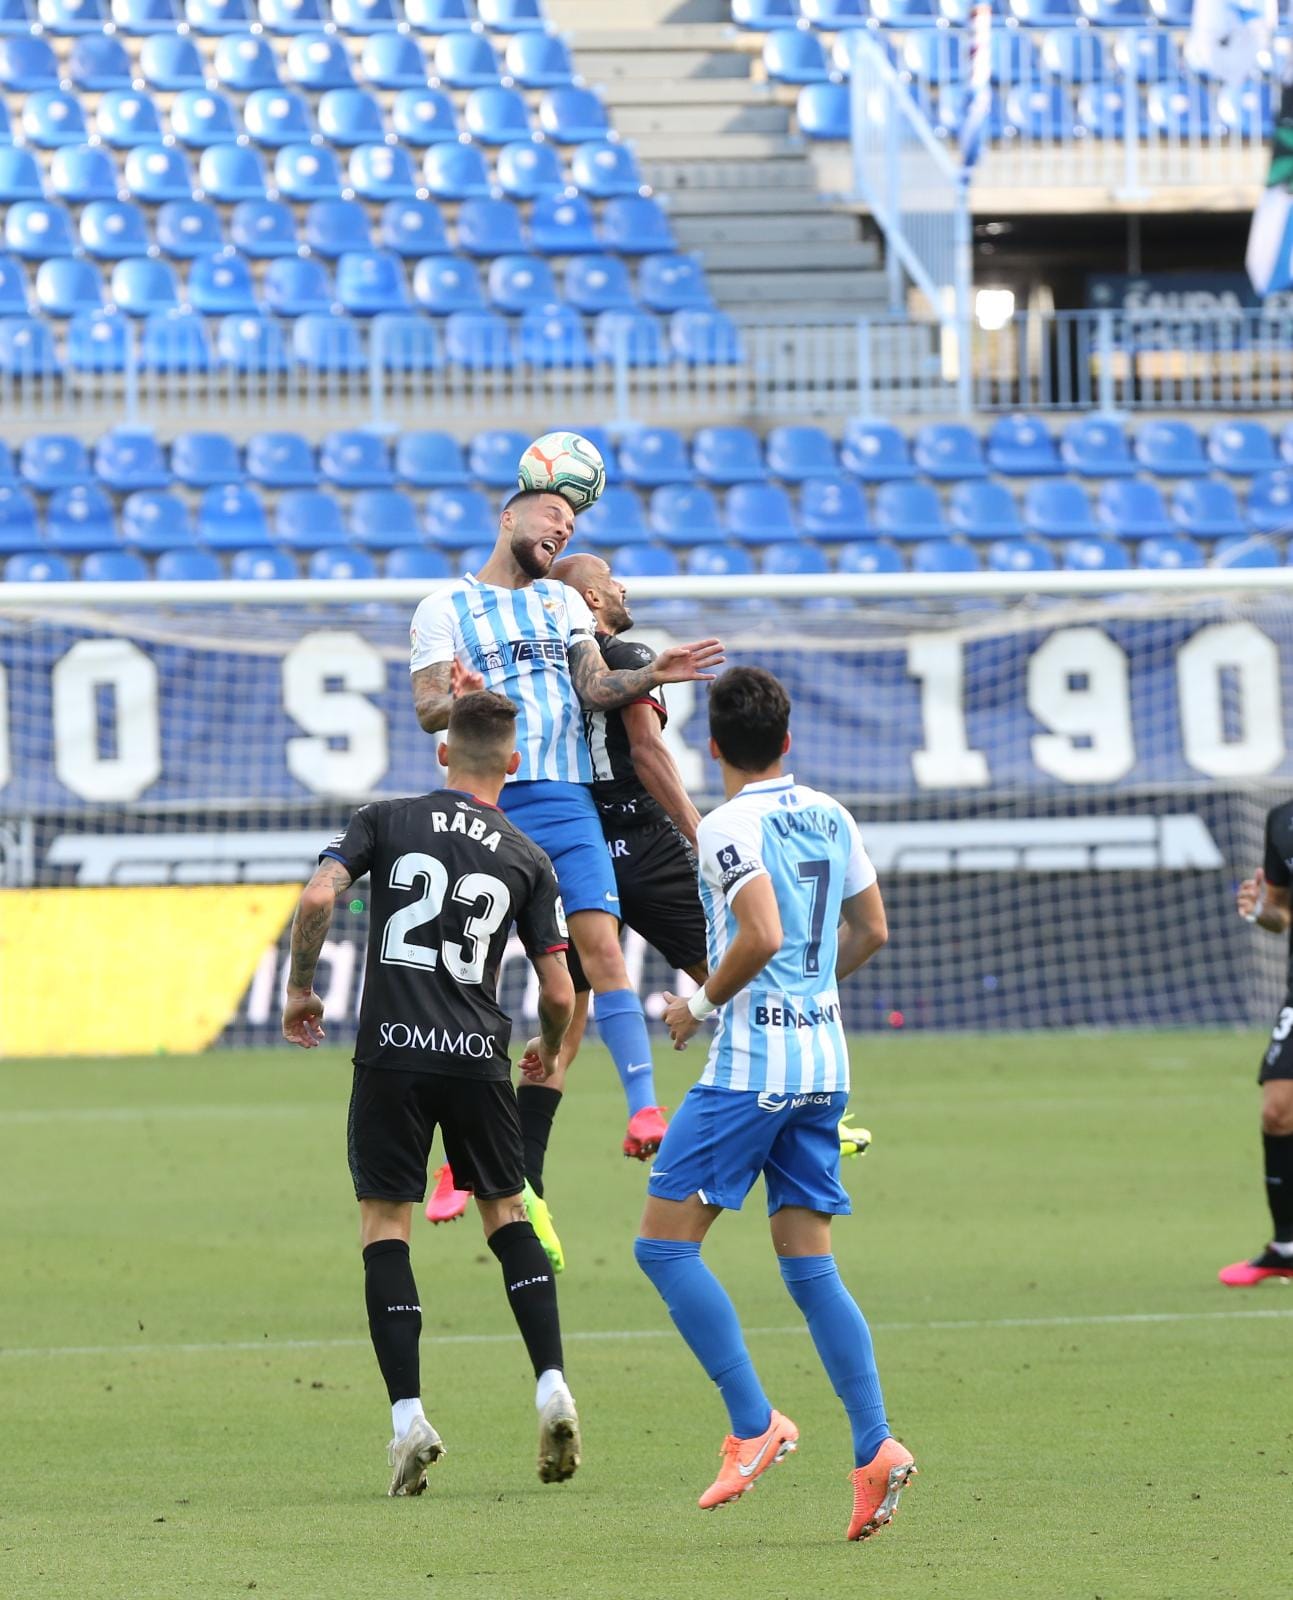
(450, 875)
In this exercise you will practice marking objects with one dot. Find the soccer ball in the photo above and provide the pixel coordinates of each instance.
(566, 464)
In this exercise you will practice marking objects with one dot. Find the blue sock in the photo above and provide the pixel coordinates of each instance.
(706, 1318)
(843, 1343)
(622, 1025)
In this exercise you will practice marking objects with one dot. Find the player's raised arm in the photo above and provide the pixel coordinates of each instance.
(302, 1009)
(657, 769)
(556, 1007)
(1263, 902)
(601, 689)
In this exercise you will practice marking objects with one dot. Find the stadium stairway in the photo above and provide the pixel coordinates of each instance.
(740, 183)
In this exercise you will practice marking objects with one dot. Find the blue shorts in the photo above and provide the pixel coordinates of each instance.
(722, 1139)
(562, 819)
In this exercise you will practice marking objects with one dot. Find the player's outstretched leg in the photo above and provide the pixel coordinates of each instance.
(1271, 1263)
(395, 1325)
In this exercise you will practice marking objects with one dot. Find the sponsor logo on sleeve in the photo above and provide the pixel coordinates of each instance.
(732, 868)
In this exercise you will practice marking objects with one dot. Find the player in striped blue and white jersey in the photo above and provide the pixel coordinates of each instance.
(793, 906)
(513, 630)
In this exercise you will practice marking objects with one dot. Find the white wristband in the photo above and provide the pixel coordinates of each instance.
(700, 1005)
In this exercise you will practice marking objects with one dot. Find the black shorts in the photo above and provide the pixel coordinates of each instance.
(394, 1116)
(1277, 1062)
(655, 872)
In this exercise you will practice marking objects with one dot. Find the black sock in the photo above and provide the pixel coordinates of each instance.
(531, 1292)
(537, 1104)
(1278, 1148)
(394, 1316)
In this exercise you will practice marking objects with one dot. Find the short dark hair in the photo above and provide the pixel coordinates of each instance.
(524, 494)
(482, 730)
(749, 716)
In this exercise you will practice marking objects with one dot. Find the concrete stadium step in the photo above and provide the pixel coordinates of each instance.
(858, 291)
(768, 183)
(803, 256)
(733, 147)
(711, 38)
(706, 122)
(623, 92)
(606, 68)
(752, 203)
(705, 231)
(570, 16)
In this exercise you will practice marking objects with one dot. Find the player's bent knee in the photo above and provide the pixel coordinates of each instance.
(496, 1214)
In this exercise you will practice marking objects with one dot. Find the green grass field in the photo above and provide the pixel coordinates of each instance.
(190, 1406)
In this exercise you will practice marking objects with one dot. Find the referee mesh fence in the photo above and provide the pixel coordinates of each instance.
(1059, 796)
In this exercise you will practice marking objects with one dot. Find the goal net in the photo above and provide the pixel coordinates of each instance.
(1059, 794)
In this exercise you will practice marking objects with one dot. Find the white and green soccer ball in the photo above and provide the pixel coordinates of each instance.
(566, 464)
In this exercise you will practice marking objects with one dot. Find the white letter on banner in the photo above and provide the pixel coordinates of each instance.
(1256, 663)
(945, 761)
(131, 677)
(6, 762)
(1078, 687)
(335, 713)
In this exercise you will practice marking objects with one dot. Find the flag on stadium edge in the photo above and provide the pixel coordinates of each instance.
(978, 98)
(1270, 239)
(1228, 38)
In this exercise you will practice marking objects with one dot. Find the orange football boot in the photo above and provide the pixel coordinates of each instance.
(745, 1460)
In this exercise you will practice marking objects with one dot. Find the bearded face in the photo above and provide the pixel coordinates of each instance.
(541, 531)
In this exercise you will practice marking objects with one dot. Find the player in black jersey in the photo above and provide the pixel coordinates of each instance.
(449, 876)
(1264, 899)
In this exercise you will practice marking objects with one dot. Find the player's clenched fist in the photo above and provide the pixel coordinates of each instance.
(679, 1020)
(1250, 899)
(303, 1019)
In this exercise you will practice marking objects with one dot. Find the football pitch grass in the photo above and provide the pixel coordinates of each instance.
(191, 1408)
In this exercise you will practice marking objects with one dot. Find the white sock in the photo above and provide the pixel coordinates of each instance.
(1282, 1247)
(403, 1414)
(551, 1382)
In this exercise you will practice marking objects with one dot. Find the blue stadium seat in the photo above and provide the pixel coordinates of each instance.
(369, 281)
(155, 521)
(405, 342)
(673, 282)
(50, 461)
(308, 519)
(869, 556)
(200, 459)
(292, 16)
(202, 117)
(353, 458)
(263, 229)
(563, 226)
(635, 225)
(833, 15)
(478, 340)
(38, 229)
(170, 62)
(944, 555)
(63, 18)
(1241, 448)
(494, 455)
(393, 61)
(791, 55)
(490, 228)
(1095, 447)
(429, 460)
(228, 173)
(728, 455)
(797, 453)
(33, 567)
(423, 116)
(305, 172)
(348, 117)
(1170, 450)
(1243, 550)
(1058, 509)
(141, 286)
(189, 228)
(1248, 111)
(1179, 109)
(1075, 55)
(822, 111)
(65, 286)
(1020, 555)
(908, 511)
(409, 562)
(293, 287)
(98, 61)
(13, 288)
(685, 514)
(251, 344)
(220, 16)
(126, 118)
(27, 348)
(341, 564)
(644, 561)
(525, 170)
(456, 172)
(1020, 446)
(1207, 509)
(573, 116)
(27, 63)
(232, 517)
(365, 16)
(1286, 442)
(98, 341)
(1095, 555)
(1166, 555)
(144, 17)
(831, 508)
(277, 117)
(602, 169)
(459, 518)
(384, 519)
(8, 471)
(112, 566)
(411, 228)
(1270, 502)
(466, 61)
(553, 336)
(905, 13)
(521, 283)
(382, 172)
(935, 57)
(1044, 13)
(80, 518)
(187, 566)
(615, 517)
(512, 16)
(759, 513)
(540, 61)
(440, 16)
(81, 172)
(984, 510)
(112, 230)
(598, 283)
(175, 342)
(262, 565)
(445, 284)
(1039, 112)
(1147, 56)
(334, 226)
(1115, 13)
(18, 527)
(876, 452)
(762, 15)
(495, 116)
(794, 558)
(220, 285)
(14, 17)
(325, 343)
(948, 452)
(650, 457)
(245, 61)
(720, 560)
(154, 173)
(705, 338)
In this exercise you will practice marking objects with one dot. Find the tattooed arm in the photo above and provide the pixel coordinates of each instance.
(433, 695)
(601, 689)
(302, 1009)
